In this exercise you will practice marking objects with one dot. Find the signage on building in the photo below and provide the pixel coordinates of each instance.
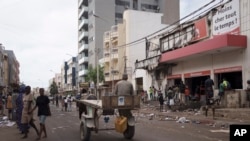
(197, 74)
(230, 69)
(185, 35)
(227, 19)
(200, 29)
(174, 76)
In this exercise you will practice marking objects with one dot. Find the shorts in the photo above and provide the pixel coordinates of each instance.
(42, 119)
(26, 118)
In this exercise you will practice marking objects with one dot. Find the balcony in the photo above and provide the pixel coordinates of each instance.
(84, 23)
(82, 72)
(84, 9)
(84, 59)
(114, 32)
(106, 36)
(84, 34)
(115, 53)
(106, 56)
(83, 47)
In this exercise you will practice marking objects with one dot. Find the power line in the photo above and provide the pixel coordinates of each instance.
(178, 21)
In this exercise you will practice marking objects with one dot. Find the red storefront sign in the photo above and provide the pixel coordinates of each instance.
(175, 76)
(230, 69)
(197, 74)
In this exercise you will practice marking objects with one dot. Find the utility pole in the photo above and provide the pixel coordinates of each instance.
(125, 64)
(97, 73)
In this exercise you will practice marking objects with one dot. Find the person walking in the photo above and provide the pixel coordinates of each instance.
(19, 108)
(27, 117)
(9, 106)
(42, 102)
(124, 87)
(14, 107)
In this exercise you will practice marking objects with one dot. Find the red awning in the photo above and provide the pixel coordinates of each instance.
(218, 44)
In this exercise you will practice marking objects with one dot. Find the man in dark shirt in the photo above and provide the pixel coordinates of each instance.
(209, 87)
(42, 102)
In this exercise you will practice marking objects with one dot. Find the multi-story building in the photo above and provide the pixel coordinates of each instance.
(97, 16)
(213, 45)
(69, 75)
(2, 58)
(119, 58)
(12, 69)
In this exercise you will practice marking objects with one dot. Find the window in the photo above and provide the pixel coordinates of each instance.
(147, 6)
(120, 2)
(118, 15)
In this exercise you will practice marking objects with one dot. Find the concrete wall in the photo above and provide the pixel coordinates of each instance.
(138, 25)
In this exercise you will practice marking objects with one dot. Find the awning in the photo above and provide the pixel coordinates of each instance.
(218, 44)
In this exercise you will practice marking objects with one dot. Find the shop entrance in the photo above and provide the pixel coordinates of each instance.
(196, 85)
(234, 78)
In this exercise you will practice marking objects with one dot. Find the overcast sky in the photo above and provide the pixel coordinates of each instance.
(43, 32)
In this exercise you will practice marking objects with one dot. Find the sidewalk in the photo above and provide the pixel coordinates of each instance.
(233, 116)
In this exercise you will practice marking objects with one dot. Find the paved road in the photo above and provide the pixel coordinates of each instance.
(64, 126)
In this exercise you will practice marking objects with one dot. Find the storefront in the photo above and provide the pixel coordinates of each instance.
(232, 74)
(173, 80)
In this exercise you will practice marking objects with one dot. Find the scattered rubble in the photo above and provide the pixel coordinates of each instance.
(5, 122)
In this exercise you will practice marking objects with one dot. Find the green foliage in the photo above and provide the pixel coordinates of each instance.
(92, 74)
(53, 88)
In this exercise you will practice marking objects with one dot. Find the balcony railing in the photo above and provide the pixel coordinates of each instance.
(83, 47)
(84, 9)
(106, 36)
(83, 22)
(84, 34)
(83, 60)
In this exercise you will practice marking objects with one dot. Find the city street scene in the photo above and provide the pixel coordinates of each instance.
(140, 70)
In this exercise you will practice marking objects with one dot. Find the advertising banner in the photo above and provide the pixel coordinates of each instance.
(227, 19)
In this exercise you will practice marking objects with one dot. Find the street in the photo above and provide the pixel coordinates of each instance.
(64, 126)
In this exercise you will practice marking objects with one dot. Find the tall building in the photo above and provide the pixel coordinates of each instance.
(97, 16)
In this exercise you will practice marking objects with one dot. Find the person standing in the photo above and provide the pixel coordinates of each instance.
(124, 87)
(161, 101)
(187, 95)
(27, 117)
(209, 89)
(57, 100)
(42, 102)
(9, 106)
(14, 107)
(151, 93)
(182, 91)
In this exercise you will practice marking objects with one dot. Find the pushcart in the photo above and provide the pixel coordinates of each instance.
(92, 110)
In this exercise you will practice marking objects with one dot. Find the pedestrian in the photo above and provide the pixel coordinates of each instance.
(19, 108)
(187, 94)
(151, 93)
(69, 101)
(42, 102)
(161, 101)
(62, 103)
(221, 91)
(65, 104)
(27, 117)
(170, 94)
(209, 89)
(9, 106)
(14, 107)
(182, 91)
(227, 85)
(57, 100)
(124, 87)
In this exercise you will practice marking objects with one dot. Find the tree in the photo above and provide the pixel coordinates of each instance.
(92, 74)
(53, 89)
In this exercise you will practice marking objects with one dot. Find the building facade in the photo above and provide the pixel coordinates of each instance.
(213, 45)
(97, 16)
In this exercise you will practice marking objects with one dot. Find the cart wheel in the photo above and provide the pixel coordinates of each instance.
(85, 132)
(129, 132)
